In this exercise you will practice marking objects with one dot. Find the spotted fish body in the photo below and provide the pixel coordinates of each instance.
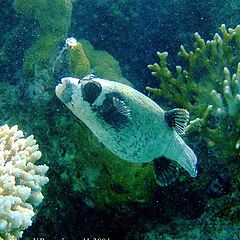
(128, 123)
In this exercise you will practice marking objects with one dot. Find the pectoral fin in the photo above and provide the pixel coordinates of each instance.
(165, 171)
(177, 118)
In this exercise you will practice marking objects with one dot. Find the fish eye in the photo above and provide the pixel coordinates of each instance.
(91, 90)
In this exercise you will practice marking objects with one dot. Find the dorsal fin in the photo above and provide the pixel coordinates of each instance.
(177, 119)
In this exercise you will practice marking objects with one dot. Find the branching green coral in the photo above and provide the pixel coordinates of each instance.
(177, 90)
(206, 88)
(231, 94)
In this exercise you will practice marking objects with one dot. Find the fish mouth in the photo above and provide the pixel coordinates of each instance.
(64, 82)
(59, 89)
(70, 80)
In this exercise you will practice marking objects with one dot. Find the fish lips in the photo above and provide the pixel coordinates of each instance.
(65, 82)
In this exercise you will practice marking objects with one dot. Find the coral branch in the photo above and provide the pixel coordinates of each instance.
(207, 72)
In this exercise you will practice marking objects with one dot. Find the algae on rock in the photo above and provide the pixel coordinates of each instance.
(53, 20)
(103, 64)
(103, 178)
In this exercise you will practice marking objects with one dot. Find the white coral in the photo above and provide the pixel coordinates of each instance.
(20, 181)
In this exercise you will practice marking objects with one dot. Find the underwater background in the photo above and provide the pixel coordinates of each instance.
(91, 193)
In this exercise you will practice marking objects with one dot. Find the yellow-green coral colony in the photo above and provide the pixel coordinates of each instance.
(211, 69)
(79, 64)
(80, 59)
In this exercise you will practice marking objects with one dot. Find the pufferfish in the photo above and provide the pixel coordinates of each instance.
(131, 125)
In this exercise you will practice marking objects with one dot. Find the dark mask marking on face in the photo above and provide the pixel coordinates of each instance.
(117, 114)
(91, 90)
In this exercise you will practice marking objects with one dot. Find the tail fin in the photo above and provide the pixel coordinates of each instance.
(180, 152)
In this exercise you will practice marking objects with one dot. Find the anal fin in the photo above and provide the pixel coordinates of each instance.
(165, 171)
